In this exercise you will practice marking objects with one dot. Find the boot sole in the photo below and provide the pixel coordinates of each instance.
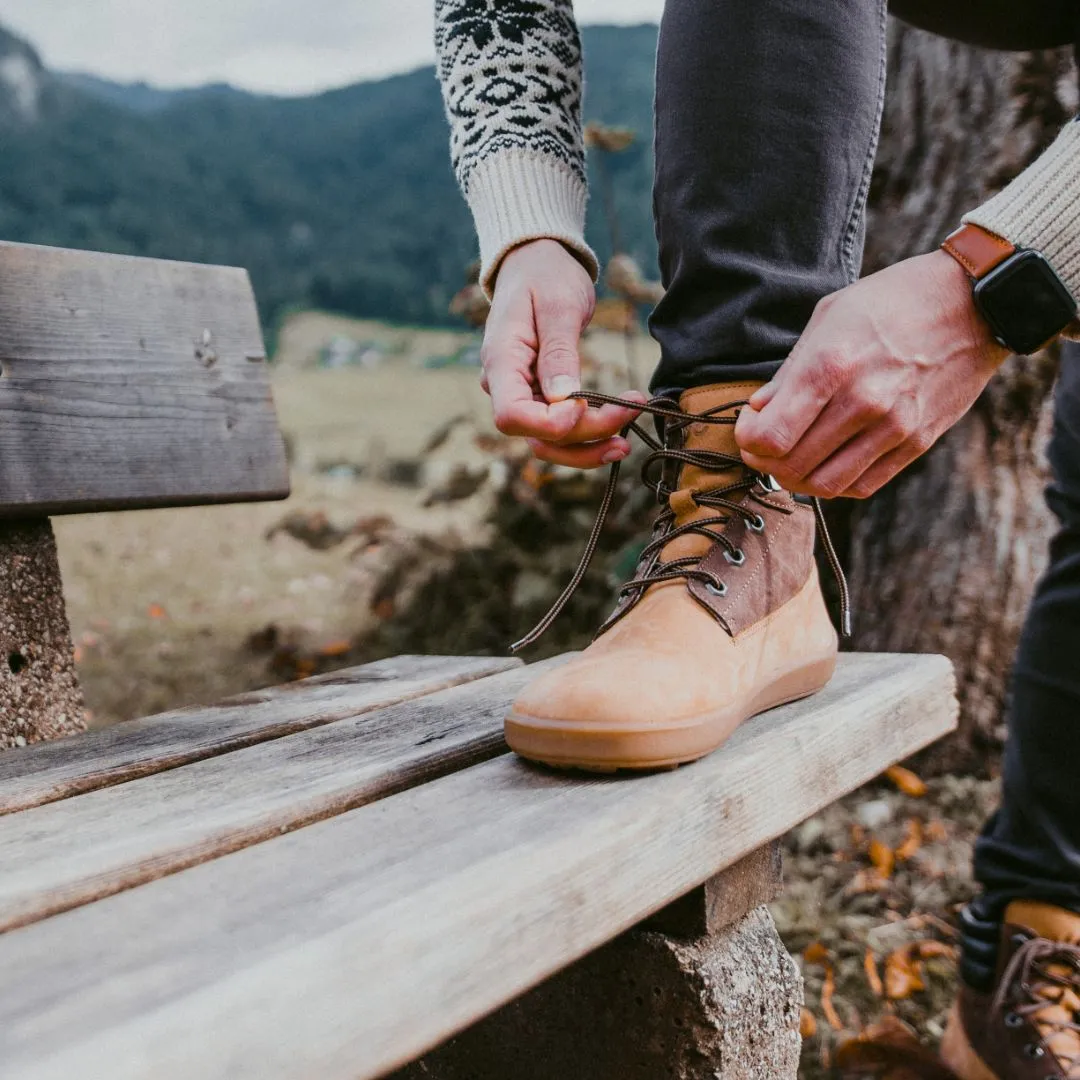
(958, 1053)
(603, 749)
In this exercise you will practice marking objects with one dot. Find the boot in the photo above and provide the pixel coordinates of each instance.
(1026, 1024)
(724, 618)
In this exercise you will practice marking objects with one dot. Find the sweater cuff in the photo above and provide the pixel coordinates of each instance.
(517, 196)
(1040, 209)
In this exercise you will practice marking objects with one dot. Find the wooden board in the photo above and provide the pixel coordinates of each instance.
(50, 771)
(81, 849)
(130, 383)
(353, 945)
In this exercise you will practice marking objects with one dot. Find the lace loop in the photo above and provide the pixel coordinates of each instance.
(664, 529)
(1043, 971)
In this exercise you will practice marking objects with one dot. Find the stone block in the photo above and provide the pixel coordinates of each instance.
(39, 690)
(646, 1006)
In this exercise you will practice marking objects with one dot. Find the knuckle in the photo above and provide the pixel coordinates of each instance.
(504, 420)
(897, 426)
(921, 440)
(871, 405)
(831, 371)
(861, 489)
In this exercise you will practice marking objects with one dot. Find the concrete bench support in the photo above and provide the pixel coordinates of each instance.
(39, 692)
(715, 997)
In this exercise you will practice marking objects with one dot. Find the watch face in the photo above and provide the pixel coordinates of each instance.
(1024, 302)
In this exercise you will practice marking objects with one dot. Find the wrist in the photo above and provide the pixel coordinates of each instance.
(954, 285)
(1016, 291)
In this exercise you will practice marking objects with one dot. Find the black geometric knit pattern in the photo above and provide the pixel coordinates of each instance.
(511, 78)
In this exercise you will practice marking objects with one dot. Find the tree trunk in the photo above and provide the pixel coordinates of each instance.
(946, 557)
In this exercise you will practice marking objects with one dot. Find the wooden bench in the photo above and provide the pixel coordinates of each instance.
(351, 875)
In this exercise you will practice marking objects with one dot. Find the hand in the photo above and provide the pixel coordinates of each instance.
(543, 301)
(884, 368)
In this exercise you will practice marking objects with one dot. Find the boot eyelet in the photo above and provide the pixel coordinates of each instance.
(757, 524)
(1034, 1052)
(716, 589)
(736, 558)
(1013, 1020)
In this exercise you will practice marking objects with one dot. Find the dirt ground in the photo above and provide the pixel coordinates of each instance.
(166, 606)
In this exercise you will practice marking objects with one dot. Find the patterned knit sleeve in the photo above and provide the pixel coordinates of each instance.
(1040, 209)
(511, 75)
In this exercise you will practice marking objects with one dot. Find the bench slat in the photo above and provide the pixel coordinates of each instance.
(357, 943)
(82, 849)
(131, 383)
(50, 771)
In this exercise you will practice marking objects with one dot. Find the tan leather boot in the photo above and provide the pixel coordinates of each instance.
(1028, 1026)
(724, 619)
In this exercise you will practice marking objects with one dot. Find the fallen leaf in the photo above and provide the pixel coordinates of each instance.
(156, 611)
(815, 953)
(872, 976)
(807, 1024)
(336, 648)
(883, 857)
(890, 1050)
(828, 988)
(864, 882)
(906, 781)
(903, 976)
(937, 832)
(78, 654)
(913, 839)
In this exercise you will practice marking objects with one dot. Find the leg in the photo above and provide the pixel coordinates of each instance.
(1031, 848)
(766, 125)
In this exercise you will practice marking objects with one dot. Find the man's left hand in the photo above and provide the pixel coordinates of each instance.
(884, 368)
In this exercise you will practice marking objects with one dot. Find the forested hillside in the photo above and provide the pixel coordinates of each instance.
(344, 200)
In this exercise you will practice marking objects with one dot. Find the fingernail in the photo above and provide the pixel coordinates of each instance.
(562, 386)
(614, 455)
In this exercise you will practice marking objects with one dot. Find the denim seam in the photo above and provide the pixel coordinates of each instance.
(858, 209)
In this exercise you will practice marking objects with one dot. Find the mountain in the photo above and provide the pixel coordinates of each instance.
(344, 200)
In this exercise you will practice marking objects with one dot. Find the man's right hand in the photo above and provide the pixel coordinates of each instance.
(543, 300)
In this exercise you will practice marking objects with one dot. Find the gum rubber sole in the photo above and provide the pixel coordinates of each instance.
(605, 749)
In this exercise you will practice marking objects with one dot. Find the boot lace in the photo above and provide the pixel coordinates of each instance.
(655, 474)
(1042, 976)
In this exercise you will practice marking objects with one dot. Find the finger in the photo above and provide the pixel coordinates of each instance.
(764, 394)
(800, 396)
(558, 329)
(604, 422)
(885, 469)
(841, 423)
(590, 456)
(842, 470)
(517, 412)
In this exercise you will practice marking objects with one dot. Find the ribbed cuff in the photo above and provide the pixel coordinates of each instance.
(1040, 209)
(516, 196)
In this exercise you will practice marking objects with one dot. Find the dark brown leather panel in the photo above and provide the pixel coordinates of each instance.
(778, 564)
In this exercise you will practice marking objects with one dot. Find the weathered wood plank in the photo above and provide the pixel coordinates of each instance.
(50, 771)
(130, 382)
(68, 853)
(348, 947)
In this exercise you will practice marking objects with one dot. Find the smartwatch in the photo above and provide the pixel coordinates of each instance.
(1015, 289)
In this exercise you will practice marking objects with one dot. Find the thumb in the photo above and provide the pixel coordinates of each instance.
(558, 364)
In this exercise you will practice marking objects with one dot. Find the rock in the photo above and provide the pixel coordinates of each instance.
(874, 813)
(39, 690)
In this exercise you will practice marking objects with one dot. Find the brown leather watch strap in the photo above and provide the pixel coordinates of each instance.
(977, 250)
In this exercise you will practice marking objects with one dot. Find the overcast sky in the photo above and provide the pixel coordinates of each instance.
(281, 46)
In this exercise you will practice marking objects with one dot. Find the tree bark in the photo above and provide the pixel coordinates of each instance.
(945, 558)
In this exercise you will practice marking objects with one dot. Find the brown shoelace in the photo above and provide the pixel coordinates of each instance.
(664, 529)
(1047, 974)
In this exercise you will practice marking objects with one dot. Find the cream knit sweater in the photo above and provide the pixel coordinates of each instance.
(511, 80)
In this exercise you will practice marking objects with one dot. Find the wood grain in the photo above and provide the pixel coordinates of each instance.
(68, 853)
(353, 945)
(130, 382)
(49, 771)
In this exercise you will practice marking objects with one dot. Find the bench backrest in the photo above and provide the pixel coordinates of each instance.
(131, 383)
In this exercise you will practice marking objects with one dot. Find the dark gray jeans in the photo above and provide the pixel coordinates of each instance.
(767, 117)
